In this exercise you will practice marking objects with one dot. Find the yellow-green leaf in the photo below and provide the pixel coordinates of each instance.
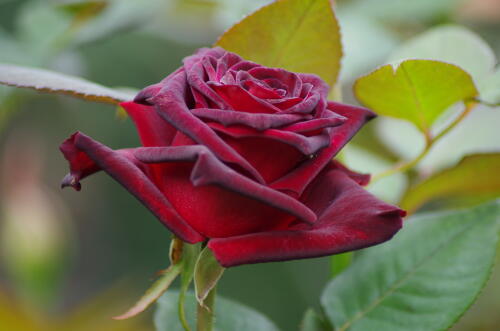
(153, 293)
(297, 35)
(472, 180)
(417, 90)
(52, 82)
(206, 274)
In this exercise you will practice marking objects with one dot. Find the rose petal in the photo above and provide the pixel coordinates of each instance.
(241, 100)
(349, 218)
(306, 145)
(260, 91)
(170, 104)
(87, 156)
(316, 124)
(296, 181)
(152, 129)
(218, 201)
(292, 82)
(256, 121)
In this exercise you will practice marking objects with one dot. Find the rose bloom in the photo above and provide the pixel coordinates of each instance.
(241, 156)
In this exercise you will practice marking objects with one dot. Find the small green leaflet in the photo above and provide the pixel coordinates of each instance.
(418, 91)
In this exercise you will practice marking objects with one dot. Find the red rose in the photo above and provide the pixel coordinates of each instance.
(241, 155)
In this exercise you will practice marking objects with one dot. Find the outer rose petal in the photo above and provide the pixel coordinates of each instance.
(153, 130)
(350, 218)
(296, 181)
(92, 156)
(216, 200)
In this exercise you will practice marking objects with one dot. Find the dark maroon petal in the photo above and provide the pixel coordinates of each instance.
(316, 124)
(196, 79)
(318, 85)
(216, 200)
(306, 145)
(170, 104)
(285, 103)
(290, 80)
(80, 164)
(296, 181)
(262, 92)
(87, 156)
(307, 105)
(256, 121)
(349, 218)
(272, 158)
(361, 179)
(241, 100)
(152, 129)
(215, 52)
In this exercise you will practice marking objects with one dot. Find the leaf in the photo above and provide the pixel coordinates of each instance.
(314, 322)
(475, 178)
(230, 315)
(207, 273)
(297, 35)
(418, 91)
(56, 83)
(423, 279)
(453, 44)
(153, 293)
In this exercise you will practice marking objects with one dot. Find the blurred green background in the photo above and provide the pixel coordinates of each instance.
(71, 260)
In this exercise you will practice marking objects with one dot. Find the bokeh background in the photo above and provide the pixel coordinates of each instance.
(70, 261)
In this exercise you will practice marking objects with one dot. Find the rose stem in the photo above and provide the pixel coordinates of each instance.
(401, 167)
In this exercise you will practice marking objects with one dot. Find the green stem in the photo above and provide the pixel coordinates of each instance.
(404, 166)
(205, 313)
(486, 103)
(182, 311)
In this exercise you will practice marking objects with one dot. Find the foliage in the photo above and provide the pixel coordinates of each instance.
(430, 273)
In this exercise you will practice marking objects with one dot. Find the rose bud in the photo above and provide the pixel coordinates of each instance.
(240, 155)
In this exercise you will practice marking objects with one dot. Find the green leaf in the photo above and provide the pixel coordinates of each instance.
(153, 293)
(418, 90)
(453, 44)
(423, 279)
(314, 322)
(297, 35)
(230, 315)
(56, 83)
(207, 273)
(474, 179)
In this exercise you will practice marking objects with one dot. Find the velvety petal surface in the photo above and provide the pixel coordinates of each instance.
(218, 201)
(349, 218)
(152, 129)
(257, 121)
(296, 181)
(170, 104)
(86, 156)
